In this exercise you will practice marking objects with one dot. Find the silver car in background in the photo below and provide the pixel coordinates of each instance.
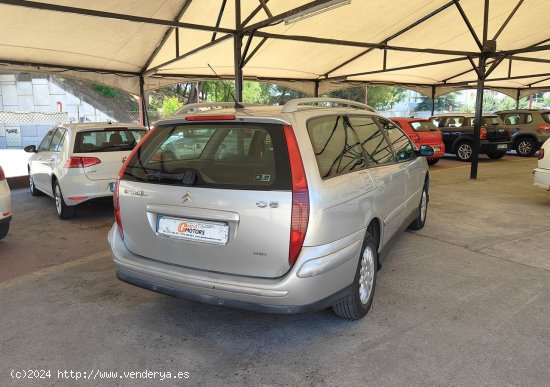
(282, 209)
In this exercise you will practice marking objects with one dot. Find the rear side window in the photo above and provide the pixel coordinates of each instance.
(107, 140)
(402, 146)
(546, 117)
(336, 145)
(422, 126)
(216, 155)
(377, 148)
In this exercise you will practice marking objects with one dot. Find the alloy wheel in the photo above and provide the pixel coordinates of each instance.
(465, 151)
(525, 147)
(366, 275)
(423, 206)
(58, 199)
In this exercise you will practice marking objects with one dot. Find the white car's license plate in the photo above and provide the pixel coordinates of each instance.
(200, 231)
(437, 149)
(502, 146)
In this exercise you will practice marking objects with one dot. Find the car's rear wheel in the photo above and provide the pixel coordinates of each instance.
(526, 147)
(358, 304)
(63, 210)
(496, 156)
(4, 228)
(432, 161)
(464, 151)
(419, 222)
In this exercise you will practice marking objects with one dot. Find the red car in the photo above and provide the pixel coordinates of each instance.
(423, 132)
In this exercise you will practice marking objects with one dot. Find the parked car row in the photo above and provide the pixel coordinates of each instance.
(282, 209)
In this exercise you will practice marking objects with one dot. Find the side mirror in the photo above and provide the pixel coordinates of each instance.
(30, 148)
(425, 150)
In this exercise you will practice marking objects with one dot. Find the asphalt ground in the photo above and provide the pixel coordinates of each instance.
(465, 301)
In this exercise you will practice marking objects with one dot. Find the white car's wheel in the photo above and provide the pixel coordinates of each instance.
(63, 210)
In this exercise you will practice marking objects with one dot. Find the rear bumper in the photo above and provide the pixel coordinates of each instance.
(541, 178)
(437, 154)
(486, 147)
(83, 189)
(321, 277)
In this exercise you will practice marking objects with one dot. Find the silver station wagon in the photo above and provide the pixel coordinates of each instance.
(281, 209)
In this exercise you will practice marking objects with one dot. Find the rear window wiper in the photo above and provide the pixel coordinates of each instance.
(188, 177)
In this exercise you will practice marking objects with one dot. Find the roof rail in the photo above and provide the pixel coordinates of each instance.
(292, 105)
(207, 106)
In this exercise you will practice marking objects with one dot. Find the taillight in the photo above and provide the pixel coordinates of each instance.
(81, 162)
(2, 174)
(300, 197)
(483, 133)
(540, 154)
(116, 206)
(116, 194)
(544, 128)
(210, 118)
(415, 137)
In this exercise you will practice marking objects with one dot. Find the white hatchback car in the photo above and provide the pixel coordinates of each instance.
(541, 175)
(79, 162)
(5, 205)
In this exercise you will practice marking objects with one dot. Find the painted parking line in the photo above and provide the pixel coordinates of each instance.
(55, 268)
(468, 165)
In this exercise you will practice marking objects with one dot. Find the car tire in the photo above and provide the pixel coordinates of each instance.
(464, 151)
(358, 304)
(32, 187)
(4, 228)
(432, 161)
(63, 210)
(526, 147)
(496, 156)
(419, 222)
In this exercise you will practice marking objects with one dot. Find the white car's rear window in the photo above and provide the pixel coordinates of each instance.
(107, 140)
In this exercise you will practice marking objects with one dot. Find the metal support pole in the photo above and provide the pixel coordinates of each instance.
(143, 117)
(433, 100)
(316, 88)
(478, 116)
(517, 99)
(237, 53)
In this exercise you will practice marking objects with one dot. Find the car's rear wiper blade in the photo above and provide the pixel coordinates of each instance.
(189, 177)
(161, 175)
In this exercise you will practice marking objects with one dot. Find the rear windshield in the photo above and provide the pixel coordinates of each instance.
(546, 117)
(107, 140)
(422, 126)
(217, 155)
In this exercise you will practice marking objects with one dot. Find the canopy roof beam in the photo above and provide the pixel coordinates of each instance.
(503, 26)
(63, 68)
(349, 43)
(166, 36)
(398, 33)
(255, 12)
(218, 21)
(468, 24)
(113, 15)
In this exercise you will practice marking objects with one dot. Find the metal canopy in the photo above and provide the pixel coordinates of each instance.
(413, 43)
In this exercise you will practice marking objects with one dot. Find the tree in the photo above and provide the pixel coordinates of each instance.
(170, 105)
(379, 97)
(445, 102)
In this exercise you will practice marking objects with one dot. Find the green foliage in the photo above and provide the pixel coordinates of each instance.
(446, 102)
(105, 91)
(170, 105)
(379, 97)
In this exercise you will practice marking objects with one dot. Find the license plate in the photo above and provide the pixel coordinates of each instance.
(189, 229)
(502, 146)
(437, 149)
(112, 187)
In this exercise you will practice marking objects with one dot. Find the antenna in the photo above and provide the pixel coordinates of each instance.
(237, 104)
